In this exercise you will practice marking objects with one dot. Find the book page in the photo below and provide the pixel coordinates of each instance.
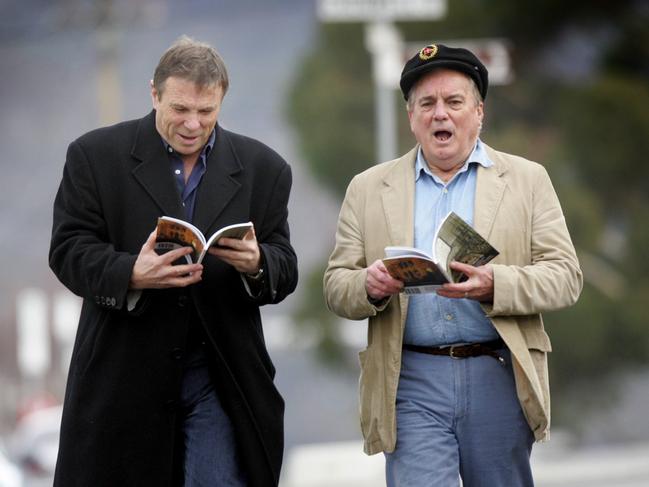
(457, 240)
(173, 233)
(238, 231)
(406, 251)
(415, 272)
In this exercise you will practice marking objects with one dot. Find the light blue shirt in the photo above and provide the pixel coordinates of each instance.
(434, 320)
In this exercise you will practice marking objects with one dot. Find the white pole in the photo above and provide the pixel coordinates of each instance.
(67, 308)
(384, 42)
(34, 355)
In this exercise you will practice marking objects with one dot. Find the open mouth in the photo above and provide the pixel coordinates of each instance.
(443, 135)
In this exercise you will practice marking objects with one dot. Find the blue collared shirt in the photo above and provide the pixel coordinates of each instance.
(188, 191)
(434, 320)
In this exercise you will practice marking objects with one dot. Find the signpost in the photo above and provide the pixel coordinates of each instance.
(384, 42)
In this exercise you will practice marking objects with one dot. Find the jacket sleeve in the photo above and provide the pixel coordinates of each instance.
(553, 279)
(278, 257)
(344, 278)
(80, 253)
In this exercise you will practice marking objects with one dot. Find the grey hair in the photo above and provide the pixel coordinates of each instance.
(474, 88)
(193, 61)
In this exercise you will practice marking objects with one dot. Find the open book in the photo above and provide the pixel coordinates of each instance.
(455, 240)
(173, 233)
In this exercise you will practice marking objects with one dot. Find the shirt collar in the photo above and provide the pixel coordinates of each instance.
(478, 155)
(207, 148)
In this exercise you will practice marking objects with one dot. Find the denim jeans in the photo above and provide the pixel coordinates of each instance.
(459, 417)
(210, 453)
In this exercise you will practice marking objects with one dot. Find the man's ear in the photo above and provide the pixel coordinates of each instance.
(154, 95)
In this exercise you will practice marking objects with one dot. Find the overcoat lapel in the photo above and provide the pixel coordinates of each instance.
(219, 184)
(490, 189)
(153, 173)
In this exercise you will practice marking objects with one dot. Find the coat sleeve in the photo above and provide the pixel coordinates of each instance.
(80, 253)
(278, 257)
(344, 278)
(553, 278)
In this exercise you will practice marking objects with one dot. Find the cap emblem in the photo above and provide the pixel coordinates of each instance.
(428, 52)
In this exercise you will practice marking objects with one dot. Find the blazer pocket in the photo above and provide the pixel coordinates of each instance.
(538, 340)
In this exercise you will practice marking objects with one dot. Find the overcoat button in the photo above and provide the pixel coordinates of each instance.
(177, 353)
(182, 301)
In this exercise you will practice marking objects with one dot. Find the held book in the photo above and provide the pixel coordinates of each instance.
(173, 233)
(455, 240)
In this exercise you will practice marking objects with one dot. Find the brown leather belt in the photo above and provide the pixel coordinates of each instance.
(462, 351)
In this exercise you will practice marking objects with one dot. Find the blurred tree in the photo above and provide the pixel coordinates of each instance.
(579, 105)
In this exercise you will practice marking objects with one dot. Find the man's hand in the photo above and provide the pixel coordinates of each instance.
(153, 271)
(479, 285)
(379, 283)
(244, 255)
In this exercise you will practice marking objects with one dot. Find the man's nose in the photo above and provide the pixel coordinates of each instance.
(192, 122)
(439, 110)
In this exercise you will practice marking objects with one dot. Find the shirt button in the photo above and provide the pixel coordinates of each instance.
(449, 317)
(445, 190)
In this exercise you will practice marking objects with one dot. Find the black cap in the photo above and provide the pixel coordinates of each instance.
(440, 56)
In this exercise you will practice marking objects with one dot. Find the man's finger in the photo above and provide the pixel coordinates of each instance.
(250, 235)
(150, 241)
(175, 254)
(465, 268)
(185, 280)
(183, 270)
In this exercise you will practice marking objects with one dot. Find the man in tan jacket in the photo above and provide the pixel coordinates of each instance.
(453, 383)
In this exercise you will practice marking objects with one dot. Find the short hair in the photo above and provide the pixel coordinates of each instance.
(474, 88)
(193, 61)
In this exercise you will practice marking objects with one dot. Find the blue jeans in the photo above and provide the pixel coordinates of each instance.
(210, 453)
(459, 417)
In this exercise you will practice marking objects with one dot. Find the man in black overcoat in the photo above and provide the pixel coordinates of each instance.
(170, 382)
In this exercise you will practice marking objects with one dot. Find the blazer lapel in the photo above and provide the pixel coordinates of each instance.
(153, 172)
(398, 197)
(219, 185)
(490, 188)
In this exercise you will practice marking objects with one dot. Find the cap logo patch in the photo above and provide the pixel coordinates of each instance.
(428, 52)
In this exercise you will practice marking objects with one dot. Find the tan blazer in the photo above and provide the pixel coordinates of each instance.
(517, 210)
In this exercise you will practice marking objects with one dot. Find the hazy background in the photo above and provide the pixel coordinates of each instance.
(305, 89)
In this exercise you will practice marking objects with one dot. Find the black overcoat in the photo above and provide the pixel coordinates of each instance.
(126, 367)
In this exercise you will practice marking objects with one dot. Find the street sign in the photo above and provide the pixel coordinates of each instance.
(380, 10)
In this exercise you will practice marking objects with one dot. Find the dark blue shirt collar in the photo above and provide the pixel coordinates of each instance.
(207, 148)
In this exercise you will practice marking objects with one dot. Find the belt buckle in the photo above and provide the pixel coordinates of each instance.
(451, 352)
